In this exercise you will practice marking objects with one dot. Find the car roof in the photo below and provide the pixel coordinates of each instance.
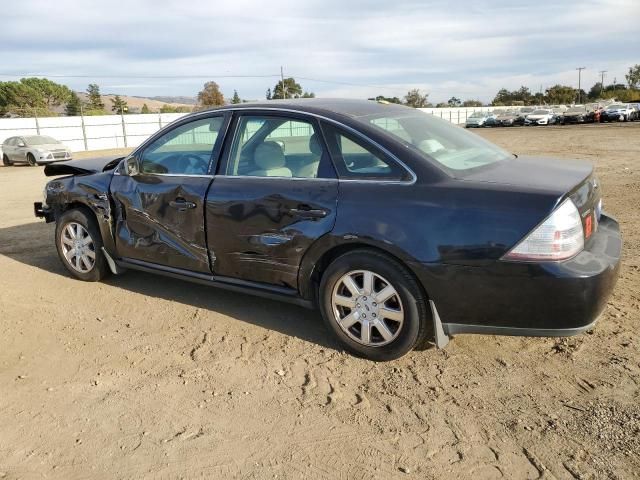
(323, 106)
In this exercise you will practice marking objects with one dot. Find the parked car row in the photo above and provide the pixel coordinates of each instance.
(555, 115)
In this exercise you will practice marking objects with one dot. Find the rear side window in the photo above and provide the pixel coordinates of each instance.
(356, 159)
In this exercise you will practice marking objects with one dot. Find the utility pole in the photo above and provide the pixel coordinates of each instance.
(579, 84)
(284, 89)
(602, 72)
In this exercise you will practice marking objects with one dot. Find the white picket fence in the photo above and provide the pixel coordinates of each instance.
(116, 131)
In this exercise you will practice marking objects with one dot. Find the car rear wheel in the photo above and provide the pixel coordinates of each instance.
(373, 305)
(79, 246)
(31, 160)
(6, 161)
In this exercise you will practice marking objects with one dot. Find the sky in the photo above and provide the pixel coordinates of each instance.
(335, 48)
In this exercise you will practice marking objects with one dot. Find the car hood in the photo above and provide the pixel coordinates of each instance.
(535, 174)
(82, 167)
(49, 146)
(539, 117)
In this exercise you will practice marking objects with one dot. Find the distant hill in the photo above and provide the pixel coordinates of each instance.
(177, 100)
(135, 103)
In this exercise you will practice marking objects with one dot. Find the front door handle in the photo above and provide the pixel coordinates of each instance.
(305, 211)
(181, 204)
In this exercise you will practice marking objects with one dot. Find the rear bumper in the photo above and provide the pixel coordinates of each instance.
(531, 299)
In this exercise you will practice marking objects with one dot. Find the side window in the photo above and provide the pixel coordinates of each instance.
(271, 146)
(357, 160)
(186, 149)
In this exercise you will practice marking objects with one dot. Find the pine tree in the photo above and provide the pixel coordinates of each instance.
(236, 98)
(95, 100)
(73, 107)
(118, 105)
(145, 109)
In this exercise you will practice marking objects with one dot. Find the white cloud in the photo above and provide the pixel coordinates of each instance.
(467, 48)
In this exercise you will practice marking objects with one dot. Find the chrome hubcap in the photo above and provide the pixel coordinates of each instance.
(78, 247)
(367, 308)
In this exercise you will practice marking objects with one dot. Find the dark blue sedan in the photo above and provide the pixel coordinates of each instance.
(400, 227)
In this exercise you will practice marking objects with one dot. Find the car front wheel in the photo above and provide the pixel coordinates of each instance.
(6, 161)
(373, 305)
(79, 246)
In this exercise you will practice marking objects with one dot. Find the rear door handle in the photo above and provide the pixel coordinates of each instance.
(181, 204)
(305, 211)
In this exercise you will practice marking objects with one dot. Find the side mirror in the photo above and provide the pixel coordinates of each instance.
(132, 166)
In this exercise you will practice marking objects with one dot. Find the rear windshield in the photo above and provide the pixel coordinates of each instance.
(40, 140)
(450, 146)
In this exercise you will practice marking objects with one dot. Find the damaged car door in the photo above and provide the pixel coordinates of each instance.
(159, 197)
(274, 195)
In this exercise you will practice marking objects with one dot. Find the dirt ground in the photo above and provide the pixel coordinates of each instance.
(149, 377)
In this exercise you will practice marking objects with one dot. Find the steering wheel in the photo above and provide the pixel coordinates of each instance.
(190, 163)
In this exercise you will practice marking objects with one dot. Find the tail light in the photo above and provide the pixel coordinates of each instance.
(559, 237)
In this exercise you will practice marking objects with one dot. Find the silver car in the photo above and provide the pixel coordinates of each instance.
(33, 150)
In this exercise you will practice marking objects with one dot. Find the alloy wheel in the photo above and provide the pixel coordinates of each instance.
(78, 247)
(367, 308)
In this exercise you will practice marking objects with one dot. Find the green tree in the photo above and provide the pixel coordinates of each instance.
(308, 95)
(561, 94)
(454, 102)
(522, 96)
(32, 96)
(633, 77)
(53, 94)
(595, 91)
(118, 105)
(236, 98)
(416, 99)
(472, 103)
(74, 106)
(287, 89)
(95, 99)
(166, 108)
(268, 95)
(210, 96)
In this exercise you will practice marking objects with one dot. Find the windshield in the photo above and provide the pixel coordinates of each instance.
(540, 112)
(576, 110)
(615, 106)
(450, 146)
(40, 140)
(478, 115)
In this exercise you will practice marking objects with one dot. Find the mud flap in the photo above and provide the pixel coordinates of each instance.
(440, 338)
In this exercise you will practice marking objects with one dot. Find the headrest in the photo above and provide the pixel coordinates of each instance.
(269, 155)
(430, 146)
(314, 145)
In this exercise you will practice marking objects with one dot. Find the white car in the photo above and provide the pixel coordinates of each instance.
(33, 150)
(478, 119)
(540, 117)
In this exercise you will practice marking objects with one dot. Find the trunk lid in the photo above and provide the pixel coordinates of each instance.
(561, 179)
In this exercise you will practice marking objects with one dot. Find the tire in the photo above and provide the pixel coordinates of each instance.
(6, 161)
(31, 160)
(71, 219)
(402, 336)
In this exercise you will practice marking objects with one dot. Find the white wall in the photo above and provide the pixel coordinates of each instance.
(99, 132)
(106, 131)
